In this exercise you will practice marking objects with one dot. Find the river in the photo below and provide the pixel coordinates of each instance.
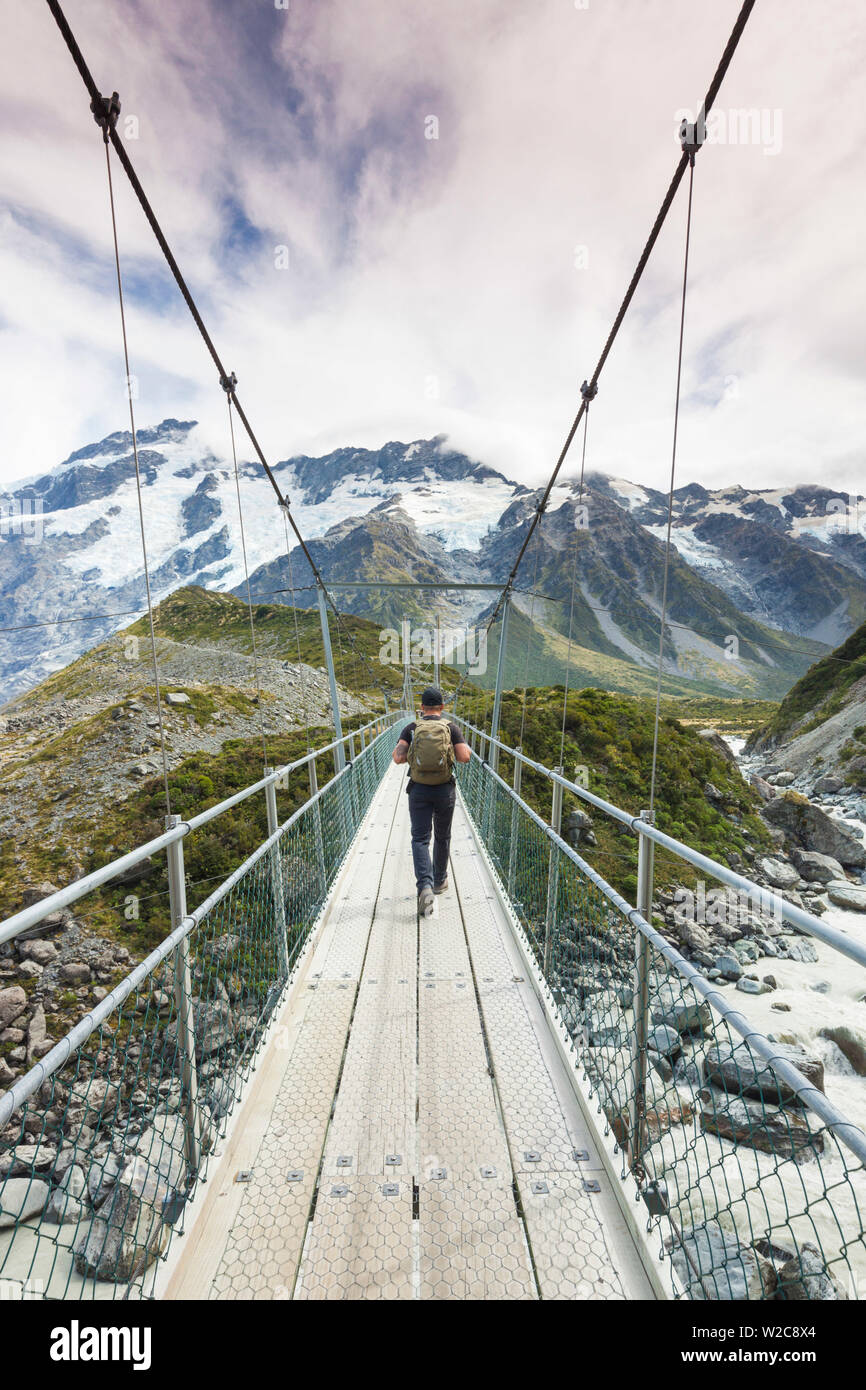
(821, 1200)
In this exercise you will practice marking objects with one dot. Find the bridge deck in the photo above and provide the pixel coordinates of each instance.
(411, 1131)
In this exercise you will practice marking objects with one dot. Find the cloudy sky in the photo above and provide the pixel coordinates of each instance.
(368, 282)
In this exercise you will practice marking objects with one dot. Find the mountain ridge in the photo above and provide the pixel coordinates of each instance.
(425, 511)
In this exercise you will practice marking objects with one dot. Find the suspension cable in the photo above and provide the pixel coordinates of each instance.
(98, 104)
(227, 382)
(247, 582)
(683, 164)
(671, 492)
(587, 398)
(304, 668)
(529, 630)
(104, 118)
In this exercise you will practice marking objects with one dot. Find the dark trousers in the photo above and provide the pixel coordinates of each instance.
(431, 810)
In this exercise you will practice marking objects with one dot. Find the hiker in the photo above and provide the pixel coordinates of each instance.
(430, 747)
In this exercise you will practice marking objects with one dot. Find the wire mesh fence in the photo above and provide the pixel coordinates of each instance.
(104, 1141)
(753, 1183)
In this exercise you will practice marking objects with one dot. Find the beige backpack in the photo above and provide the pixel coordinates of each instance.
(431, 753)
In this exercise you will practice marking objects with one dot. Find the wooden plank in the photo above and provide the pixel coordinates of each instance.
(579, 1244)
(247, 1238)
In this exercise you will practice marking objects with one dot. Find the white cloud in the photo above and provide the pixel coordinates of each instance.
(445, 263)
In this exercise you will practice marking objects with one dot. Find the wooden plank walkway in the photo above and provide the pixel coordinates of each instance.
(410, 1132)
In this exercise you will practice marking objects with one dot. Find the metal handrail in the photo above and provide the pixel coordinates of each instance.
(767, 898)
(849, 1134)
(27, 1085)
(30, 916)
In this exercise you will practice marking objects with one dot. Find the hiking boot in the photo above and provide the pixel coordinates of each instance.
(425, 902)
(440, 887)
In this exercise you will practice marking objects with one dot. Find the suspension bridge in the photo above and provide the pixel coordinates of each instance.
(305, 1092)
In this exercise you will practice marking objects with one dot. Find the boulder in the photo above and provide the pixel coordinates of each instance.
(40, 951)
(782, 779)
(13, 1002)
(665, 1041)
(125, 1237)
(213, 1026)
(817, 868)
(849, 895)
(778, 873)
(92, 1103)
(722, 1268)
(811, 828)
(36, 894)
(750, 986)
(176, 697)
(764, 790)
(38, 1042)
(681, 1010)
(21, 1198)
(734, 1068)
(74, 972)
(827, 785)
(66, 1203)
(101, 1177)
(800, 950)
(696, 938)
(806, 1277)
(728, 966)
(850, 1041)
(27, 1159)
(222, 946)
(783, 1133)
(715, 740)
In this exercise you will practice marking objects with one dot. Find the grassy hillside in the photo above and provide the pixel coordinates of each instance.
(211, 854)
(612, 736)
(821, 692)
(538, 654)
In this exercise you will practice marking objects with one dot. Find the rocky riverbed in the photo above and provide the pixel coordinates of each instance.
(809, 998)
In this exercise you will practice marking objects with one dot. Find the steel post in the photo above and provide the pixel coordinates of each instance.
(640, 1031)
(552, 876)
(406, 651)
(183, 1000)
(276, 861)
(436, 653)
(339, 758)
(497, 694)
(317, 827)
(512, 846)
(353, 786)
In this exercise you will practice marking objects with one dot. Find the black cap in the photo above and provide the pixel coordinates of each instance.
(431, 698)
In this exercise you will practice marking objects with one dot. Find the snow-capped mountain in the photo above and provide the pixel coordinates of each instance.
(71, 569)
(793, 558)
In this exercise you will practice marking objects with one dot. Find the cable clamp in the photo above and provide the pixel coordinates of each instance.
(285, 502)
(588, 392)
(228, 383)
(105, 113)
(692, 135)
